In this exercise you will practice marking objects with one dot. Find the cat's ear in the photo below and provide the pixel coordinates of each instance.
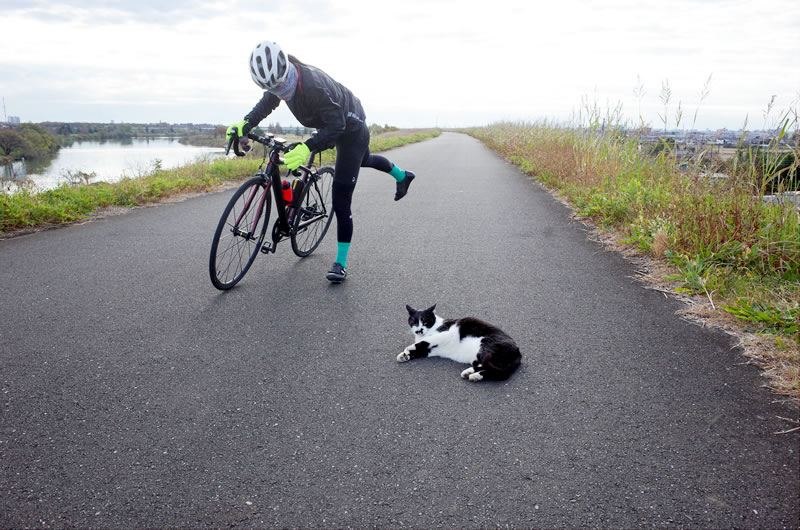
(410, 309)
(430, 309)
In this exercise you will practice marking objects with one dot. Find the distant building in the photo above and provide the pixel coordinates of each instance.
(14, 120)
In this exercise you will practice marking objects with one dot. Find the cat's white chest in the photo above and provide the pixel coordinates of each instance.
(450, 345)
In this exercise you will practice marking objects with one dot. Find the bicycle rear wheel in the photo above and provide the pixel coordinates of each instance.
(314, 214)
(240, 233)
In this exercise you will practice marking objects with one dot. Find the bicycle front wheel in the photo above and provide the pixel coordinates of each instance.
(240, 233)
(314, 214)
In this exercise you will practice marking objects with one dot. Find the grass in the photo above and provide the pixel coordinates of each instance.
(723, 243)
(73, 202)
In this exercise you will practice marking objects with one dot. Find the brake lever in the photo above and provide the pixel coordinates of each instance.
(236, 142)
(236, 147)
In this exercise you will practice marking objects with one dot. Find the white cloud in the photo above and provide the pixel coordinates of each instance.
(415, 63)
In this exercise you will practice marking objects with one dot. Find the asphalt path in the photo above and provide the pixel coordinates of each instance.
(134, 394)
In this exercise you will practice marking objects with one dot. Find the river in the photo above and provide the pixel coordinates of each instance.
(110, 161)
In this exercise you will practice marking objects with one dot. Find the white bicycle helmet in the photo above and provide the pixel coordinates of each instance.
(268, 65)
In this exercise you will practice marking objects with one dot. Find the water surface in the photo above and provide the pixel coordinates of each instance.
(110, 161)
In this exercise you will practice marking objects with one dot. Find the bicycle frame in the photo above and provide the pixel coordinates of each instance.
(272, 176)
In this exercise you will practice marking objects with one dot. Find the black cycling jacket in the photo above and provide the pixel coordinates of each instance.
(318, 102)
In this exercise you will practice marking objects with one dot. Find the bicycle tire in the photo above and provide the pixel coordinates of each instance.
(233, 250)
(315, 213)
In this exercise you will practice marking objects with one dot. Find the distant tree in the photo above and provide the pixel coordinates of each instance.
(774, 171)
(665, 144)
(377, 129)
(12, 145)
(41, 142)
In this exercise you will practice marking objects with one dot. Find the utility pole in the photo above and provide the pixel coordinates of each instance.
(4, 109)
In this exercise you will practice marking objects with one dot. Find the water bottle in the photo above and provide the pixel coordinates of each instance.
(297, 191)
(287, 192)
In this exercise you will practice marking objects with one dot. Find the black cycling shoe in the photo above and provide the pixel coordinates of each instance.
(402, 186)
(337, 274)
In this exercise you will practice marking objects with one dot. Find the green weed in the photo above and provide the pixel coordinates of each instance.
(773, 319)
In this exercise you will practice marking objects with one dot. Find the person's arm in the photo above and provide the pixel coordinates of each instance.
(263, 108)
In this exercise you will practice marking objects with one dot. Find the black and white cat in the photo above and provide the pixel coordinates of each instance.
(493, 354)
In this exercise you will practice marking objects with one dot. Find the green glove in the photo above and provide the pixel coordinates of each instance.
(240, 129)
(297, 156)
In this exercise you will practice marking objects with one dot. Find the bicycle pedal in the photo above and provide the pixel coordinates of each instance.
(266, 248)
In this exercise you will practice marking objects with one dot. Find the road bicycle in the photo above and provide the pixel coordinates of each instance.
(241, 231)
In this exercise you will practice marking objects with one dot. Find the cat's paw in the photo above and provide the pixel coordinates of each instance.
(477, 376)
(404, 356)
(468, 372)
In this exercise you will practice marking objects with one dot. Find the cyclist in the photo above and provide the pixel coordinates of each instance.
(317, 101)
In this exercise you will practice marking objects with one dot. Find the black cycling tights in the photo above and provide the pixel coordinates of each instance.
(352, 153)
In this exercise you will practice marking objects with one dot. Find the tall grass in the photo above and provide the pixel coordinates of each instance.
(724, 242)
(71, 202)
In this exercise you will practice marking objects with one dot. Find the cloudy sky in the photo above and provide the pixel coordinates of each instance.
(413, 63)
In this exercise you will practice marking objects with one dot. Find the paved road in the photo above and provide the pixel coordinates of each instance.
(135, 394)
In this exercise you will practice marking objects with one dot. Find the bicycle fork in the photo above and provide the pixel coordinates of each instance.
(249, 236)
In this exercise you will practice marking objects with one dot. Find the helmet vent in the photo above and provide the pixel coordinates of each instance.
(260, 67)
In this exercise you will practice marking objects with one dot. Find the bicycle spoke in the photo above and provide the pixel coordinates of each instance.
(314, 216)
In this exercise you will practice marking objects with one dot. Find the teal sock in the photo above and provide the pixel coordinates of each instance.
(397, 173)
(341, 253)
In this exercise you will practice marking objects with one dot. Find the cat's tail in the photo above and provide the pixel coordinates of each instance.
(502, 359)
